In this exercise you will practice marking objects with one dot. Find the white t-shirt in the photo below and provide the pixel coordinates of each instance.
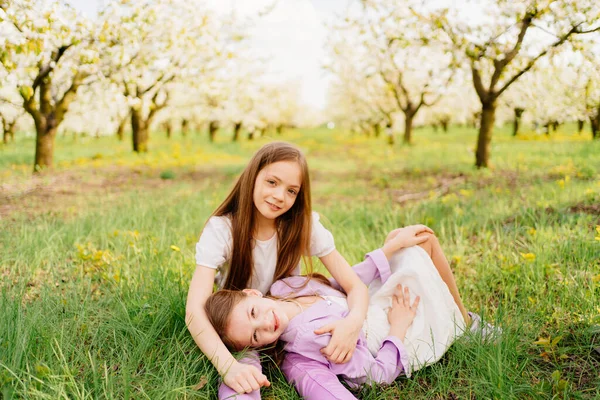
(213, 250)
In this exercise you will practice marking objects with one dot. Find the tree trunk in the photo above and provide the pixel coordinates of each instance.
(390, 134)
(251, 135)
(121, 129)
(408, 125)
(44, 147)
(484, 139)
(168, 129)
(185, 127)
(279, 129)
(518, 113)
(476, 117)
(213, 126)
(139, 132)
(595, 122)
(445, 124)
(236, 131)
(8, 129)
(555, 125)
(262, 131)
(547, 128)
(580, 125)
(376, 129)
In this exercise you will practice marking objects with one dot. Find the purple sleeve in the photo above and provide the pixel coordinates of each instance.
(313, 380)
(225, 392)
(375, 265)
(384, 368)
(362, 368)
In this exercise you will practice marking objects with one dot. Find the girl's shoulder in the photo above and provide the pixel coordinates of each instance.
(218, 224)
(321, 240)
(214, 246)
(315, 216)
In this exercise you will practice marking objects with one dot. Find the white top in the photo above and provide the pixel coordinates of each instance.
(213, 250)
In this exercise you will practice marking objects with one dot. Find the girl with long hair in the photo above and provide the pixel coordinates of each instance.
(257, 236)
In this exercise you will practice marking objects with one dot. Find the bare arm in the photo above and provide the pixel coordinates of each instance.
(241, 378)
(345, 332)
(356, 290)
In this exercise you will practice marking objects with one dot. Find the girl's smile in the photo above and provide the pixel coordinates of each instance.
(257, 321)
(273, 206)
(276, 188)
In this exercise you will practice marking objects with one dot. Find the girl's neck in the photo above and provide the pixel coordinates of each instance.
(296, 306)
(264, 228)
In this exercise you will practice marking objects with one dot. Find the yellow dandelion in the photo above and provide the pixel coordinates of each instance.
(528, 256)
(532, 231)
(175, 248)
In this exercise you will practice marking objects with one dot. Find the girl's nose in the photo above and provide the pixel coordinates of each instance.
(279, 193)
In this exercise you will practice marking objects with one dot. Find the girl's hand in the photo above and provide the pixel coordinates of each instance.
(244, 378)
(402, 314)
(405, 237)
(344, 336)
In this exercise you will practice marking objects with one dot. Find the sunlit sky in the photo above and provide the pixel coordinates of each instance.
(291, 36)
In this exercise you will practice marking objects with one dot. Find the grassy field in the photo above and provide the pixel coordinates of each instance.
(96, 258)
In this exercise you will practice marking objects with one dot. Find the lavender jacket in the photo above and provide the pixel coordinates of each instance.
(313, 375)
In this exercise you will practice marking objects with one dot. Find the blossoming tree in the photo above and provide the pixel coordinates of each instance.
(51, 50)
(505, 41)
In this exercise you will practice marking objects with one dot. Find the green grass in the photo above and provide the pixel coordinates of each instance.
(94, 266)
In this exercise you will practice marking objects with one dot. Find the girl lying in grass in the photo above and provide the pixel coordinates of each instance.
(412, 319)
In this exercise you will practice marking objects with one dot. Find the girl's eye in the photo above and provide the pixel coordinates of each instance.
(271, 182)
(255, 337)
(252, 313)
(292, 192)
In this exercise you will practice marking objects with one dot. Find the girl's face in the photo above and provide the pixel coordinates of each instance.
(276, 187)
(256, 321)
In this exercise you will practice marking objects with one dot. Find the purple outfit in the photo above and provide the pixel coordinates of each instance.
(313, 375)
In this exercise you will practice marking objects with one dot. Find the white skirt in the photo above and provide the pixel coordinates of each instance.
(438, 321)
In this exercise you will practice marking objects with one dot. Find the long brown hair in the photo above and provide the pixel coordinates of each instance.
(218, 309)
(293, 227)
(219, 306)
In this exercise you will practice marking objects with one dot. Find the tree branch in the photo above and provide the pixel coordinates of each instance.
(156, 106)
(5, 101)
(62, 106)
(45, 71)
(29, 106)
(440, 96)
(499, 65)
(531, 63)
(393, 88)
(579, 32)
(477, 82)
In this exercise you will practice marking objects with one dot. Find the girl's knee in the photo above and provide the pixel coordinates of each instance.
(430, 243)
